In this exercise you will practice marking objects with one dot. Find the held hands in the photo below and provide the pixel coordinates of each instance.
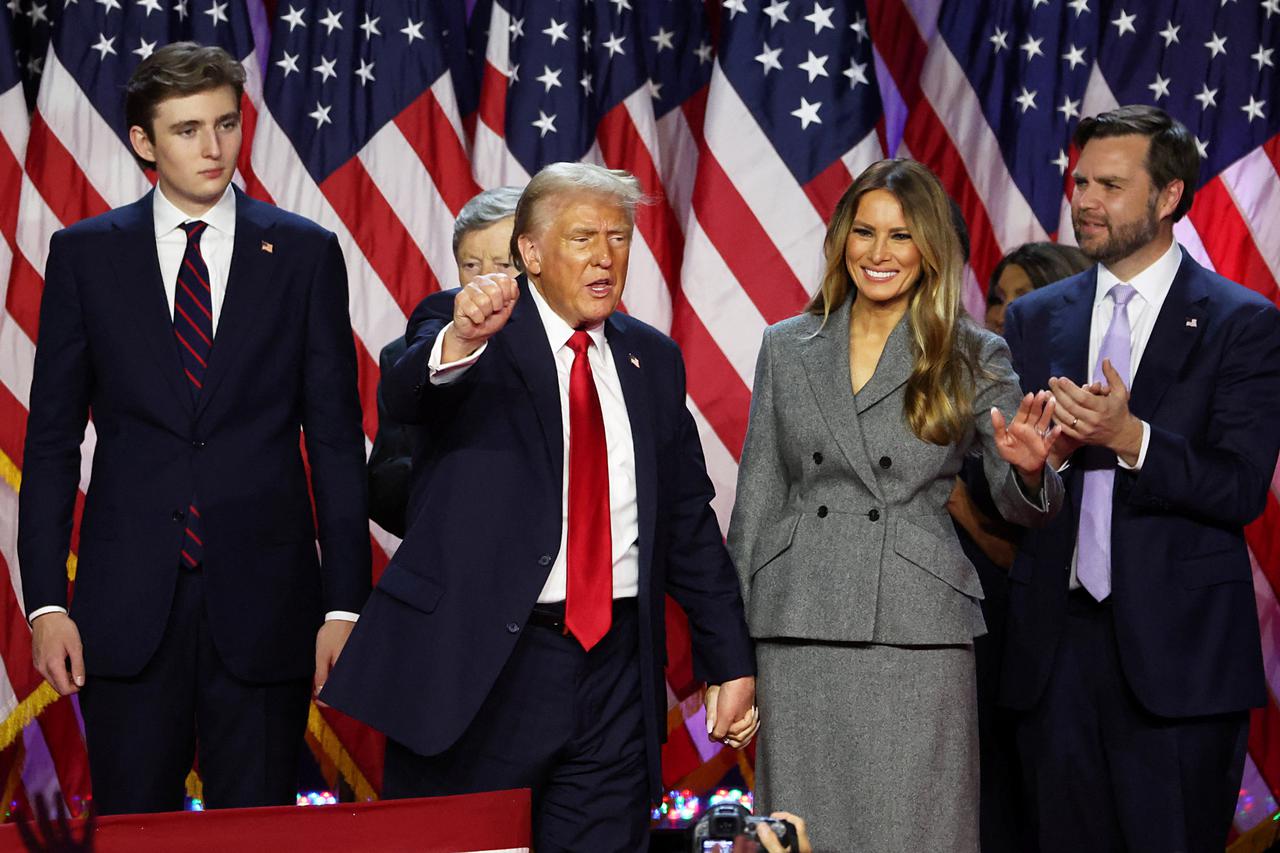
(57, 653)
(480, 310)
(330, 639)
(1026, 442)
(1098, 414)
(732, 717)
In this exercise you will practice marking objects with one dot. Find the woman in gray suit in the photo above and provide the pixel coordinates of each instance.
(863, 605)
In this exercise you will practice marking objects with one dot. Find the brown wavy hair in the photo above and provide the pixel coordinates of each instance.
(939, 396)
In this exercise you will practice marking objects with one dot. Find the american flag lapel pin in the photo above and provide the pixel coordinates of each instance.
(267, 247)
(1191, 323)
(634, 359)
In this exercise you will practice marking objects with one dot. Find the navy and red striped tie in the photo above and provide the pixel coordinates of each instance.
(193, 328)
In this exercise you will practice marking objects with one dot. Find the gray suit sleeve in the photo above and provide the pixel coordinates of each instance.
(997, 385)
(762, 485)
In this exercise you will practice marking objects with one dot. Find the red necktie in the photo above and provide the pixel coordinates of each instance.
(589, 595)
(193, 328)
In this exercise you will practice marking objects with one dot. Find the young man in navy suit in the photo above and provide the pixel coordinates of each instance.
(517, 637)
(1133, 650)
(206, 332)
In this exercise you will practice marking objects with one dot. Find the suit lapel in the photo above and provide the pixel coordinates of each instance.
(526, 342)
(248, 285)
(1071, 322)
(627, 363)
(827, 363)
(1177, 329)
(140, 289)
(892, 370)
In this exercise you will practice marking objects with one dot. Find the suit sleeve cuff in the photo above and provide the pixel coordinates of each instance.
(440, 373)
(1142, 454)
(40, 611)
(341, 616)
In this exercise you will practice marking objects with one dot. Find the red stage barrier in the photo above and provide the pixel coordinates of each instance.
(496, 821)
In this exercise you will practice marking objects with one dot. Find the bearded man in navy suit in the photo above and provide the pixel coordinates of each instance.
(206, 332)
(517, 638)
(1133, 650)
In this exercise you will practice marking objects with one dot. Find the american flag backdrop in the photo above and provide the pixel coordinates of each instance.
(743, 119)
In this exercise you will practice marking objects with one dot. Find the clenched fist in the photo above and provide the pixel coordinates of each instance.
(479, 311)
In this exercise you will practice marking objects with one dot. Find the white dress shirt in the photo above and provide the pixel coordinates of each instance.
(216, 245)
(1152, 286)
(623, 510)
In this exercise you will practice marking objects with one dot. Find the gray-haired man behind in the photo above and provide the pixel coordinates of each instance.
(481, 245)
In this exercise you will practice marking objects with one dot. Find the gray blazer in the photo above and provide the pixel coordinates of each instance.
(840, 530)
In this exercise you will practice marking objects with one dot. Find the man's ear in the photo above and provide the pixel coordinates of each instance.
(529, 255)
(142, 144)
(1169, 198)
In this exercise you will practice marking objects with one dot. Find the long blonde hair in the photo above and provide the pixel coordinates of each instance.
(939, 396)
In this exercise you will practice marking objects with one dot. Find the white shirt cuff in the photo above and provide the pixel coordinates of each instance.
(40, 611)
(443, 374)
(1142, 454)
(341, 616)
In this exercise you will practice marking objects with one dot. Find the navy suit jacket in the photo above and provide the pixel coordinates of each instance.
(485, 524)
(283, 360)
(1182, 591)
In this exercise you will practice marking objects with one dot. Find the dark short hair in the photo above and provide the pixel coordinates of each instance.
(1044, 263)
(1173, 155)
(174, 71)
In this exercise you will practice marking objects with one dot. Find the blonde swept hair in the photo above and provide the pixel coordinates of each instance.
(939, 395)
(558, 179)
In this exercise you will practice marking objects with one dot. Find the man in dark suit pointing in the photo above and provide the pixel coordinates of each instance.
(205, 331)
(517, 637)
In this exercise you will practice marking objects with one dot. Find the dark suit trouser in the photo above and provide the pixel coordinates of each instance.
(563, 722)
(142, 732)
(1104, 774)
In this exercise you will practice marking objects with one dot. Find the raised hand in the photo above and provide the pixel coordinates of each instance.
(1099, 417)
(481, 309)
(1025, 442)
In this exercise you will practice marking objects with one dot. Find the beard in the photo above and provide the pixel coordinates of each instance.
(1122, 240)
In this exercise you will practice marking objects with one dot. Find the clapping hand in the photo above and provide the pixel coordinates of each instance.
(1026, 441)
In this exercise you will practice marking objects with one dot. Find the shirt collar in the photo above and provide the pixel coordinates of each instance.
(220, 217)
(558, 331)
(1152, 284)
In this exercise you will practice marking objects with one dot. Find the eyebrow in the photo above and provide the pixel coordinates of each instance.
(183, 125)
(1101, 179)
(893, 230)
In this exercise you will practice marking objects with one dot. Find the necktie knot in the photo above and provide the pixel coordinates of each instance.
(579, 342)
(194, 229)
(1122, 293)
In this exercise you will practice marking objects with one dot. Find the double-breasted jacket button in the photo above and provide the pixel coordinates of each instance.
(544, 560)
(179, 515)
(817, 458)
(874, 515)
(885, 461)
(822, 511)
(513, 627)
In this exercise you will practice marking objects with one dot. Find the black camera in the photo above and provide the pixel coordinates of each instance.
(715, 830)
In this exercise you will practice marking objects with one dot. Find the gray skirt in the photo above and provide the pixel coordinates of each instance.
(876, 747)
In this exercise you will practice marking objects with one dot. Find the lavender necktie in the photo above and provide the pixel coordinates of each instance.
(1093, 557)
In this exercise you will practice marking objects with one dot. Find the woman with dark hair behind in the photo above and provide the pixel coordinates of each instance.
(863, 605)
(1027, 268)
